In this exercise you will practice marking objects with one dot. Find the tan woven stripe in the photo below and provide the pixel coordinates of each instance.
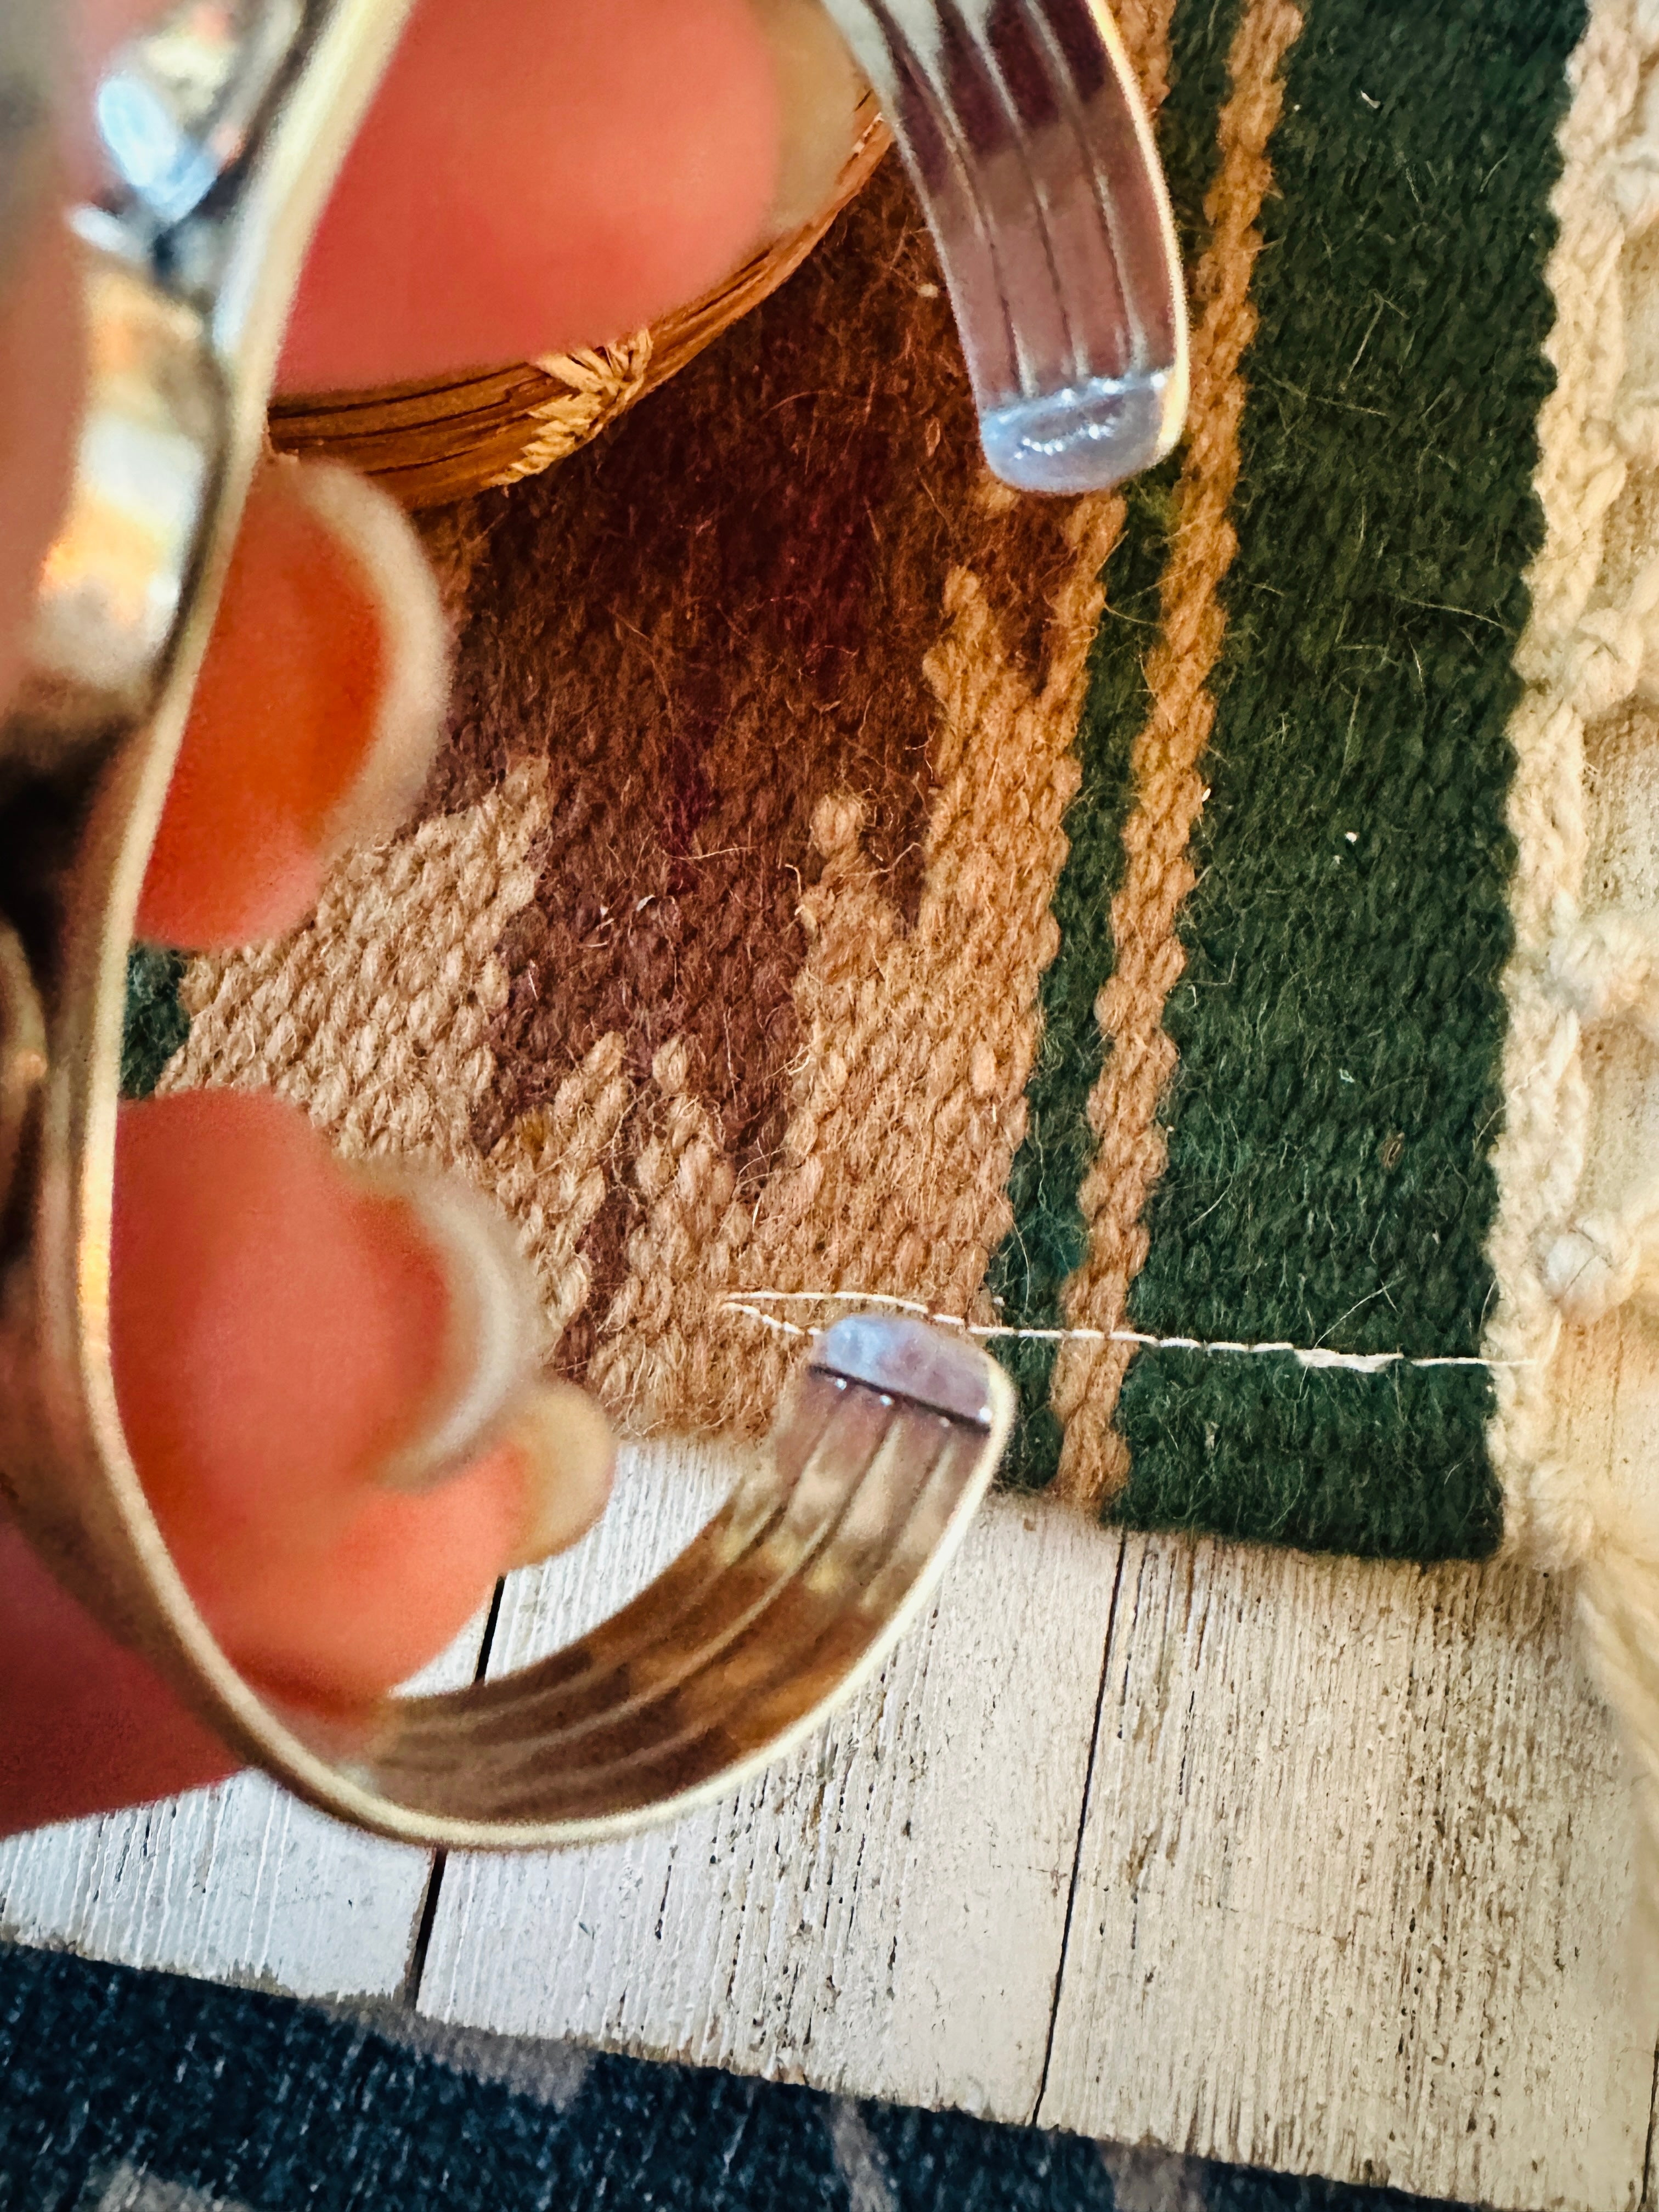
(1144, 26)
(550, 1172)
(375, 1015)
(1139, 1056)
(651, 1362)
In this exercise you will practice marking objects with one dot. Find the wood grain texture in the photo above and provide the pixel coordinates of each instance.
(1353, 1889)
(238, 1884)
(884, 1915)
(1350, 1896)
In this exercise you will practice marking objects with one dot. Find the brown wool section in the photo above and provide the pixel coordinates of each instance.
(1169, 788)
(917, 1025)
(906, 1099)
(454, 540)
(705, 624)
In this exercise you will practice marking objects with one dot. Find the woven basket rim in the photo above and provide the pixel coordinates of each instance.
(758, 273)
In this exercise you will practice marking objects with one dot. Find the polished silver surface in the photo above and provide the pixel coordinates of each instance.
(789, 1598)
(908, 1359)
(1023, 127)
(113, 587)
(178, 106)
(185, 318)
(169, 243)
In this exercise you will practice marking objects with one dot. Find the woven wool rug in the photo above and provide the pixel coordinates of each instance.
(1194, 935)
(123, 2092)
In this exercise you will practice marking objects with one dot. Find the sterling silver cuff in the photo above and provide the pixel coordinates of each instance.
(223, 130)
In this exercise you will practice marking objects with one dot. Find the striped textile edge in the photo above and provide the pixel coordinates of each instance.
(1008, 1092)
(1284, 1092)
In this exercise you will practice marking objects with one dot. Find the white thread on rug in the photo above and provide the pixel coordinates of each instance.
(1306, 1355)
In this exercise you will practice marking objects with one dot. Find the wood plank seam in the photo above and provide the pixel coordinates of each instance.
(1082, 1828)
(847, 1919)
(410, 1995)
(1229, 1809)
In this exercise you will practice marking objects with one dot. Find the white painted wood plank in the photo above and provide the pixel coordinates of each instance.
(238, 1884)
(881, 1915)
(1351, 1899)
(1353, 1888)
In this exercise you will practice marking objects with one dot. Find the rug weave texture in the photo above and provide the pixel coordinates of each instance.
(123, 2092)
(1131, 927)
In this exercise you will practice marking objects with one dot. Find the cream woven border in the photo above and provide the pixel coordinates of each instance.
(1576, 669)
(1575, 1436)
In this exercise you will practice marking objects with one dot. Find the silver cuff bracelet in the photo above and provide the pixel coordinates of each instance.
(223, 130)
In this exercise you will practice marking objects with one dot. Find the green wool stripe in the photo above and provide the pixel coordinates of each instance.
(156, 1022)
(1049, 1239)
(1340, 1020)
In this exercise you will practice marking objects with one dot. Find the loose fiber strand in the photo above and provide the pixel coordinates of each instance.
(1314, 1356)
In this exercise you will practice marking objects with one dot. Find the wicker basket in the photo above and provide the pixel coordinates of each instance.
(443, 438)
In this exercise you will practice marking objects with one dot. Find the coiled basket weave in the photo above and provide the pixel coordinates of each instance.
(439, 439)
